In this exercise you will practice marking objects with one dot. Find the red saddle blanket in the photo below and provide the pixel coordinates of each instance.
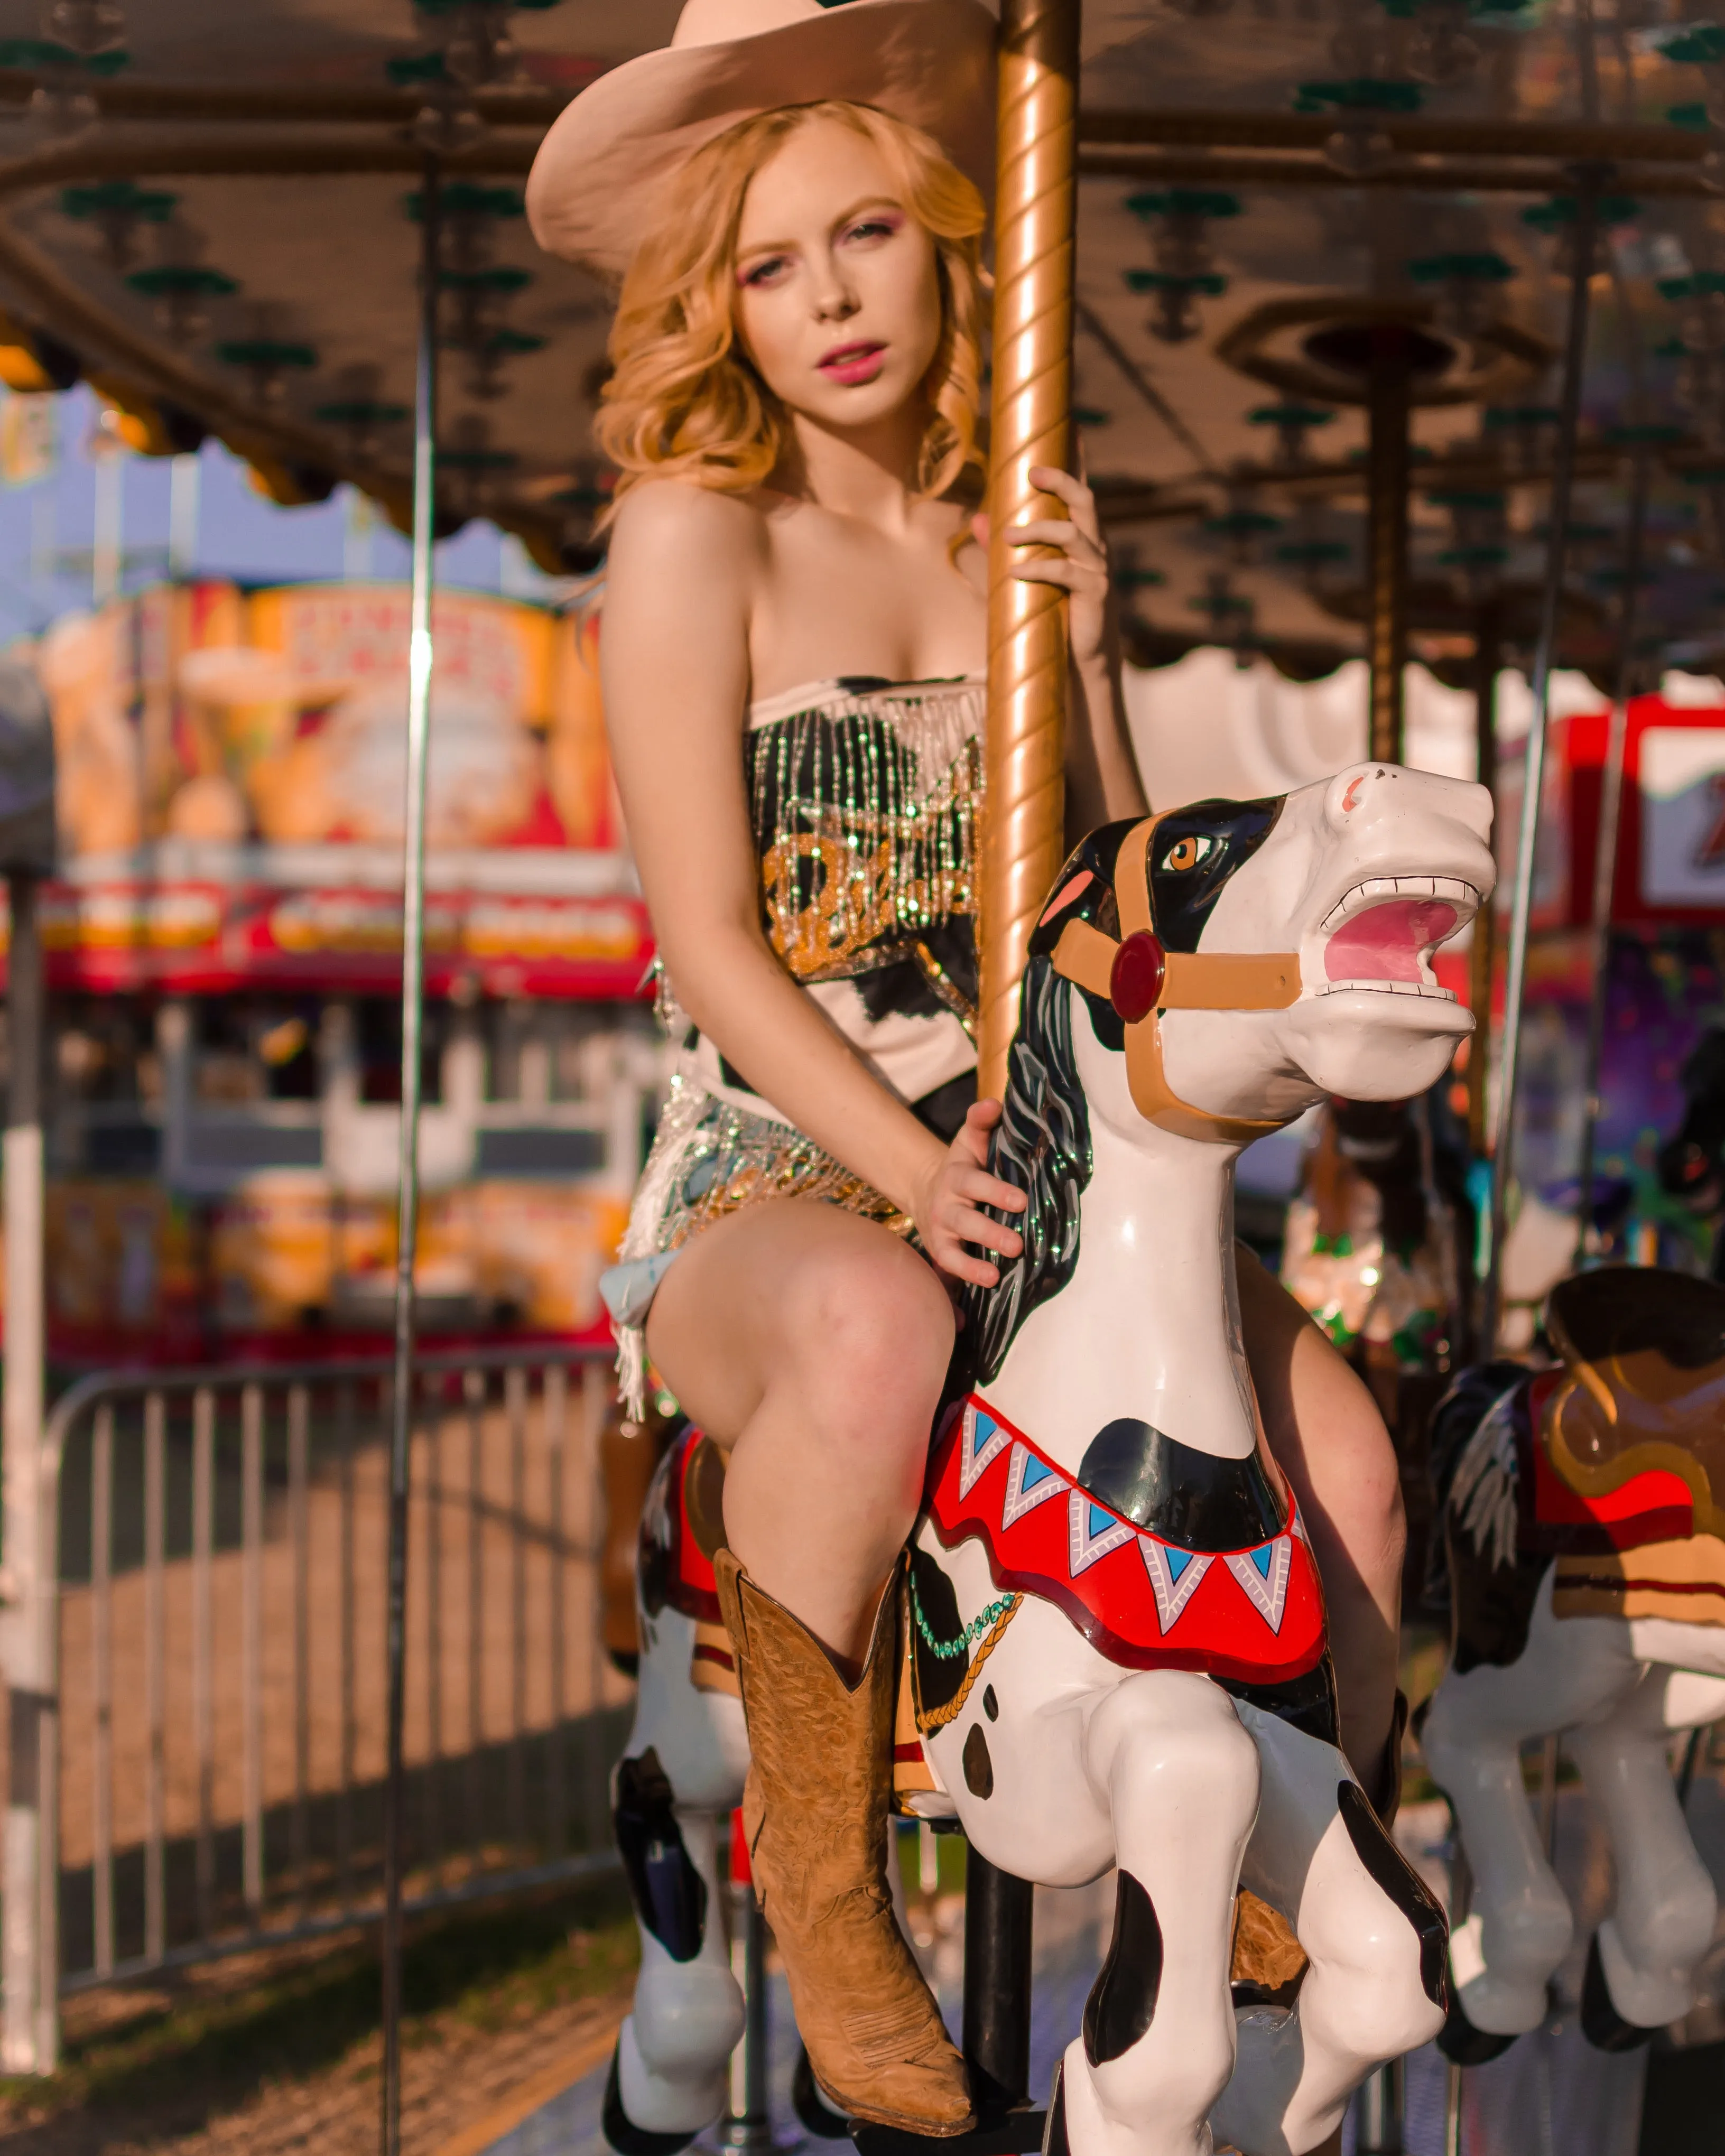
(1254, 1615)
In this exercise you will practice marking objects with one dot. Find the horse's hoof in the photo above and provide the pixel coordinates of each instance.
(816, 2114)
(1603, 2027)
(624, 2136)
(1462, 2044)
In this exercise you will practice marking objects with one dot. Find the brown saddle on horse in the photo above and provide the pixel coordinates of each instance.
(1642, 1390)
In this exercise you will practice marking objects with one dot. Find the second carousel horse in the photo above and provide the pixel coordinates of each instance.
(1114, 1628)
(1583, 1515)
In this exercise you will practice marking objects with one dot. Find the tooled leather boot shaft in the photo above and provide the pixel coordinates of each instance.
(815, 1818)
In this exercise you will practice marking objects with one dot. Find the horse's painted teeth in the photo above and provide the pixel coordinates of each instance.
(1432, 990)
(1364, 894)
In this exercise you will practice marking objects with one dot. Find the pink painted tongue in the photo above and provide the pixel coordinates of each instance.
(1384, 942)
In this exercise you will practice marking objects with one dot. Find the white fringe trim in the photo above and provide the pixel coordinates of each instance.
(685, 1107)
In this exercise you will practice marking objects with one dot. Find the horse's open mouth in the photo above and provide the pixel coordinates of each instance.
(1384, 932)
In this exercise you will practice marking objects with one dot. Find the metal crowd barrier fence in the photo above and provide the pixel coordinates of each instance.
(212, 1728)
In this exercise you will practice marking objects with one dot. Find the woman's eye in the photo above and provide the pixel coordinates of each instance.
(1187, 853)
(873, 227)
(766, 272)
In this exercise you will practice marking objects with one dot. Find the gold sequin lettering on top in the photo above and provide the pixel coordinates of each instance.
(864, 809)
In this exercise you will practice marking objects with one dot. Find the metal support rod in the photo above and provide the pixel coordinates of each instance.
(747, 2125)
(1460, 1902)
(413, 993)
(1605, 838)
(185, 476)
(1036, 200)
(30, 1979)
(1382, 2104)
(1581, 234)
(107, 555)
(1487, 666)
(996, 1984)
(1388, 405)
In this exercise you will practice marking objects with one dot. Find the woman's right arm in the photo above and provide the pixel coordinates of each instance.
(676, 667)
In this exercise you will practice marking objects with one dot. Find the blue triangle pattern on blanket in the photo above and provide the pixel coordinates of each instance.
(1100, 1520)
(1177, 1560)
(1035, 1471)
(1262, 1557)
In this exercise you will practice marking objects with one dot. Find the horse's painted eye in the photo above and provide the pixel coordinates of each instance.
(1188, 852)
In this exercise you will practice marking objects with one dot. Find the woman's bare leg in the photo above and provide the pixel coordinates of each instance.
(814, 1345)
(1330, 1441)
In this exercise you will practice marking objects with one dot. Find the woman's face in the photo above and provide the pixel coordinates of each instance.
(838, 300)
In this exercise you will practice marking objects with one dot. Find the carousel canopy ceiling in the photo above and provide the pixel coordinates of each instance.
(210, 213)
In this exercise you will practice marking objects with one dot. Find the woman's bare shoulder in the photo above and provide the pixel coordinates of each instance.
(675, 519)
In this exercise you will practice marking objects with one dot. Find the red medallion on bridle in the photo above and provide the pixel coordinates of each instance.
(1135, 978)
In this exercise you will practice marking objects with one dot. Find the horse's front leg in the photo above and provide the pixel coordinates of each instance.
(1661, 1921)
(1180, 1776)
(1374, 1936)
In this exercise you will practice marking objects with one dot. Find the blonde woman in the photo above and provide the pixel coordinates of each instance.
(792, 652)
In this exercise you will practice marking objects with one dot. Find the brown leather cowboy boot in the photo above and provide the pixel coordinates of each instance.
(814, 1813)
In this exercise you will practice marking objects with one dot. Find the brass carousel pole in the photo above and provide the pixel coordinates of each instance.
(1387, 404)
(1036, 199)
(1035, 206)
(1487, 666)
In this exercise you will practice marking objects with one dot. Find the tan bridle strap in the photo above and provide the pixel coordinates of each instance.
(1221, 981)
(1131, 879)
(1084, 955)
(1226, 980)
(1157, 1101)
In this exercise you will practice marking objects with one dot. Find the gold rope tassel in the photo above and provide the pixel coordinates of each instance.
(1036, 200)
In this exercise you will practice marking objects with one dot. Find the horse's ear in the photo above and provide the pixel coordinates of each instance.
(1063, 898)
(1083, 891)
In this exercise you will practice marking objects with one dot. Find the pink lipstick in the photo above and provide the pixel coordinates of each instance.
(852, 364)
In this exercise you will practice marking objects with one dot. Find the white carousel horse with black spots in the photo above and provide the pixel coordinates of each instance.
(1582, 1512)
(1114, 1630)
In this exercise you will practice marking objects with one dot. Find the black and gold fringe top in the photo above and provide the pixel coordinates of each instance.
(864, 796)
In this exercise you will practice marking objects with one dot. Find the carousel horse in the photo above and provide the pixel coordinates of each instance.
(1584, 1546)
(1113, 1633)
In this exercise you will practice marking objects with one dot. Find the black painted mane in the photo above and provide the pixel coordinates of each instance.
(1040, 1146)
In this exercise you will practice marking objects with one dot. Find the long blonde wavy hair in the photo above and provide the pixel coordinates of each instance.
(684, 400)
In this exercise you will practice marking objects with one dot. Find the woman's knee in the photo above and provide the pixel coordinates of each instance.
(874, 1320)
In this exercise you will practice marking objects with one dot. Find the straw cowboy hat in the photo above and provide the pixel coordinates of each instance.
(929, 62)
